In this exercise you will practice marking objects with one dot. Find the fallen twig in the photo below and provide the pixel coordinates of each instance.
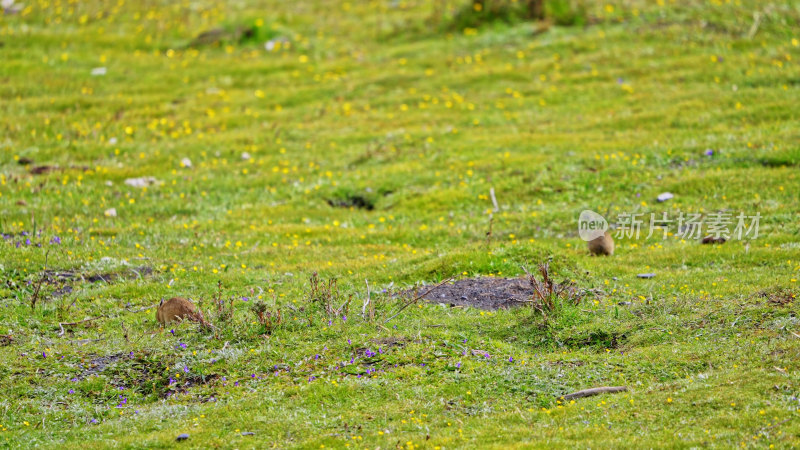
(776, 424)
(142, 308)
(595, 391)
(417, 298)
(366, 301)
(61, 324)
(757, 16)
(84, 341)
(38, 287)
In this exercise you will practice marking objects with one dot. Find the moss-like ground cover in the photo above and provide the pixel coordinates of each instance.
(360, 141)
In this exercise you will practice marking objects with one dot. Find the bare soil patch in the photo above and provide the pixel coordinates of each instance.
(778, 297)
(484, 293)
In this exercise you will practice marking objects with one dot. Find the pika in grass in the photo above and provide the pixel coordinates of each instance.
(178, 309)
(603, 245)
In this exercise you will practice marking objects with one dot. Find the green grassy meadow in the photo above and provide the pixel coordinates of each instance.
(361, 141)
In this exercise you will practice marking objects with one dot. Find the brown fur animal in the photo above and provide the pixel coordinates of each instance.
(178, 309)
(603, 245)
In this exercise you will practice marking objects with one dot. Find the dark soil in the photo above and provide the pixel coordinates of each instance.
(40, 170)
(778, 297)
(99, 364)
(353, 201)
(598, 339)
(482, 293)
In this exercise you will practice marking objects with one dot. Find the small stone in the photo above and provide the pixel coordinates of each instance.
(245, 156)
(182, 437)
(141, 182)
(111, 212)
(247, 433)
(646, 275)
(664, 196)
(625, 303)
(98, 71)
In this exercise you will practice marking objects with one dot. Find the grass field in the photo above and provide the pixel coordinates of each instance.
(360, 141)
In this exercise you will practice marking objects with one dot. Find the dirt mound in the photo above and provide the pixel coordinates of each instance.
(483, 293)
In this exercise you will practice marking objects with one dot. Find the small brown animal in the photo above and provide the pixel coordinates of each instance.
(178, 309)
(603, 245)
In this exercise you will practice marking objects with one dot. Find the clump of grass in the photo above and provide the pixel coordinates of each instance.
(268, 318)
(326, 295)
(224, 311)
(478, 13)
(550, 298)
(235, 34)
(567, 13)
